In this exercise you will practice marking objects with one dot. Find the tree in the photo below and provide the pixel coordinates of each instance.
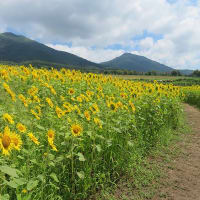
(196, 73)
(175, 73)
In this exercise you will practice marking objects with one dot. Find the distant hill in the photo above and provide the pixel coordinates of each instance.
(138, 63)
(19, 49)
(186, 71)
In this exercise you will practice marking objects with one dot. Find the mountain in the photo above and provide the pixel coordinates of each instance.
(19, 49)
(138, 63)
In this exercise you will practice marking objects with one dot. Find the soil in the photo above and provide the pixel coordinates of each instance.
(182, 180)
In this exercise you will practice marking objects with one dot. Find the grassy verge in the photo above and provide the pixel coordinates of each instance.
(146, 174)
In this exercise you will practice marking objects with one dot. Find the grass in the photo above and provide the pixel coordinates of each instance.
(147, 176)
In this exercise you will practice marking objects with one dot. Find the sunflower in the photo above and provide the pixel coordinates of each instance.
(98, 122)
(39, 110)
(76, 129)
(33, 138)
(67, 107)
(35, 114)
(94, 108)
(119, 104)
(21, 127)
(23, 99)
(71, 91)
(123, 95)
(87, 115)
(79, 99)
(132, 106)
(8, 118)
(51, 134)
(6, 144)
(59, 112)
(62, 98)
(33, 91)
(16, 140)
(52, 145)
(48, 100)
(113, 106)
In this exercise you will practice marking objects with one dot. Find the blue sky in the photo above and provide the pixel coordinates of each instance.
(163, 30)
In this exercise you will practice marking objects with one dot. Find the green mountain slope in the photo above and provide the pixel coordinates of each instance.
(19, 49)
(138, 63)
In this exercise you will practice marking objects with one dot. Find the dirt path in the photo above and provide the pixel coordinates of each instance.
(183, 178)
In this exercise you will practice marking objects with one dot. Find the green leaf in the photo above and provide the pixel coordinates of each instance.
(67, 135)
(8, 170)
(41, 177)
(100, 137)
(12, 184)
(109, 142)
(20, 157)
(81, 175)
(51, 157)
(51, 163)
(19, 197)
(5, 197)
(20, 181)
(59, 159)
(98, 146)
(54, 177)
(81, 157)
(34, 161)
(89, 133)
(32, 184)
(40, 127)
(130, 144)
(69, 155)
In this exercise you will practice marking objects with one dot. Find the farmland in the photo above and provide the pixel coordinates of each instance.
(65, 133)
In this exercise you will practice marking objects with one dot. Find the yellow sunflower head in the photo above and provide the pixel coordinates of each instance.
(98, 122)
(71, 91)
(51, 134)
(21, 128)
(8, 118)
(87, 115)
(6, 144)
(76, 129)
(16, 140)
(33, 138)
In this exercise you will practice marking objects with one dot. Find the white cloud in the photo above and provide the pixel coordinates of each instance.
(146, 43)
(90, 23)
(95, 55)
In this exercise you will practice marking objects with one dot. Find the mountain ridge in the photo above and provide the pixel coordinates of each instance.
(22, 50)
(17, 48)
(138, 63)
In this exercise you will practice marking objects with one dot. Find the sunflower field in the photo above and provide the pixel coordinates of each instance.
(66, 134)
(192, 95)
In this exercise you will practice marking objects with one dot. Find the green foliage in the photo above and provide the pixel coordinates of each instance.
(131, 119)
(192, 95)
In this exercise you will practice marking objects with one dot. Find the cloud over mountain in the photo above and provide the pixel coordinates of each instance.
(166, 31)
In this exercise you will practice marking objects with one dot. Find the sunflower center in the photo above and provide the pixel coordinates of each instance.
(6, 140)
(76, 130)
(112, 106)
